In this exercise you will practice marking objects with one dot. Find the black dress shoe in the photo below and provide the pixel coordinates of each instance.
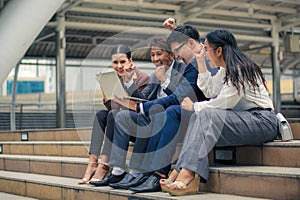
(123, 182)
(108, 179)
(129, 181)
(150, 185)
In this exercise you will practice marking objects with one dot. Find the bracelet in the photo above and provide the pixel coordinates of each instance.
(103, 163)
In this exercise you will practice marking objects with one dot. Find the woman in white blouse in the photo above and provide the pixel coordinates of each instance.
(240, 111)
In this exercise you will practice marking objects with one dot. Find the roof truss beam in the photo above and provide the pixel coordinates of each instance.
(135, 4)
(211, 5)
(262, 7)
(146, 30)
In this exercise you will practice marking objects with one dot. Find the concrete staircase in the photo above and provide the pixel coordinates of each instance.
(49, 164)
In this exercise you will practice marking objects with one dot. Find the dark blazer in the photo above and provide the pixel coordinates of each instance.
(186, 88)
(151, 90)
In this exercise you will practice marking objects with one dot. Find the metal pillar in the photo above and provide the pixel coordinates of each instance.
(295, 89)
(18, 31)
(276, 67)
(60, 71)
(13, 99)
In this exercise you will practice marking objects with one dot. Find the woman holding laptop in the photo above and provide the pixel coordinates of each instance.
(104, 119)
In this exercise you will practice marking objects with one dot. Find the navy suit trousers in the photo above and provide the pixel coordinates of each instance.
(160, 153)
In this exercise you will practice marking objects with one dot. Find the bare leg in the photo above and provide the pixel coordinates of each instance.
(90, 169)
(102, 169)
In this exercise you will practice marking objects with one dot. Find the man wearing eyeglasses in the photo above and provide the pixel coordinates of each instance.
(182, 41)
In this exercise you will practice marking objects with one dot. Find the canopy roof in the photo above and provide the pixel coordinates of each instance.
(255, 23)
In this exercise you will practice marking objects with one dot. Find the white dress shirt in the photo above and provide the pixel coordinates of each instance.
(225, 96)
(164, 85)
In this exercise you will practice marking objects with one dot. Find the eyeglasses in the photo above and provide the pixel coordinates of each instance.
(176, 51)
(207, 49)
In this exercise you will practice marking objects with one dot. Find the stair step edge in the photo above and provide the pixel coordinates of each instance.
(64, 159)
(288, 172)
(46, 130)
(45, 142)
(71, 183)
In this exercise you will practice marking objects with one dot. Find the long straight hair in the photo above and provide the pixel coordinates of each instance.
(240, 69)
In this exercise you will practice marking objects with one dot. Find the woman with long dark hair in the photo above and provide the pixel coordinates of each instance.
(240, 111)
(122, 63)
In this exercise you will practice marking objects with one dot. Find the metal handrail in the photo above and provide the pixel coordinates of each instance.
(39, 107)
(47, 103)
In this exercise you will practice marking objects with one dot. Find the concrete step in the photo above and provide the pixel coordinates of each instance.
(6, 196)
(46, 148)
(66, 134)
(53, 187)
(71, 134)
(295, 126)
(277, 153)
(73, 167)
(254, 181)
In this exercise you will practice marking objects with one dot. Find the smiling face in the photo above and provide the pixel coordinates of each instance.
(120, 63)
(214, 55)
(183, 51)
(161, 57)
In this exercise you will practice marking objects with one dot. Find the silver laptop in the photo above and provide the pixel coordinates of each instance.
(112, 87)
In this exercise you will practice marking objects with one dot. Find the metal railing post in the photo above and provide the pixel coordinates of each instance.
(13, 99)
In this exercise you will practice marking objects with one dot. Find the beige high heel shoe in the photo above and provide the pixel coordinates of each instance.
(101, 172)
(165, 183)
(89, 172)
(183, 189)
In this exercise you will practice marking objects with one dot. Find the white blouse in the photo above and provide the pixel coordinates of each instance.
(225, 96)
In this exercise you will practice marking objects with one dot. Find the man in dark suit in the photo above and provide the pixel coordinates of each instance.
(134, 123)
(164, 80)
(162, 145)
